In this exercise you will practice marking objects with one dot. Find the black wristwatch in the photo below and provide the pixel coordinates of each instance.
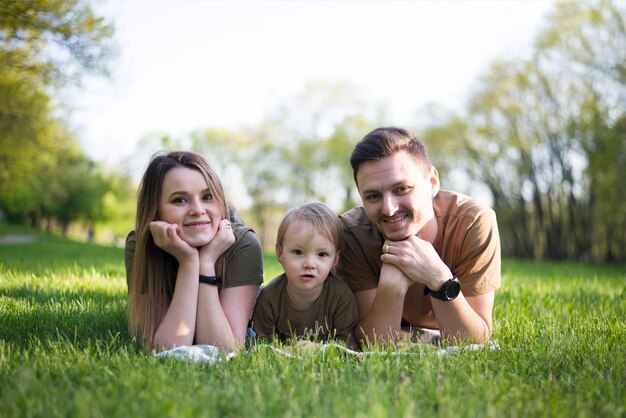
(212, 280)
(449, 291)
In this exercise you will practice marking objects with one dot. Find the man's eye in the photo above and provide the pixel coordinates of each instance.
(403, 190)
(371, 197)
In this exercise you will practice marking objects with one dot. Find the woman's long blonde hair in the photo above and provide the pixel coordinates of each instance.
(154, 270)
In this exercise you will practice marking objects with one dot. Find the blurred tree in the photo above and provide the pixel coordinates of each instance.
(338, 147)
(77, 190)
(585, 50)
(504, 150)
(147, 146)
(26, 137)
(226, 152)
(264, 176)
(119, 205)
(546, 137)
(45, 44)
(444, 134)
(61, 39)
(315, 144)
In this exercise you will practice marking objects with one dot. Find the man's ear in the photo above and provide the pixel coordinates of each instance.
(434, 181)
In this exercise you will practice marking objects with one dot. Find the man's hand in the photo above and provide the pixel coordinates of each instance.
(166, 237)
(418, 260)
(391, 275)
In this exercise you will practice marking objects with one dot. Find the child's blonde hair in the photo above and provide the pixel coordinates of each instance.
(318, 216)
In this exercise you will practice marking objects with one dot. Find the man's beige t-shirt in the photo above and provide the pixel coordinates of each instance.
(467, 241)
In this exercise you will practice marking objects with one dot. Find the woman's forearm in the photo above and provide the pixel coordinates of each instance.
(179, 322)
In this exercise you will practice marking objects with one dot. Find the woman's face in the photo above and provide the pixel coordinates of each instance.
(186, 201)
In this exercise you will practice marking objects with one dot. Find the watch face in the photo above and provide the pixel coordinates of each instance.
(452, 289)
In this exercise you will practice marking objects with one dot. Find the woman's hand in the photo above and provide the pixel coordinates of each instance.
(166, 237)
(223, 240)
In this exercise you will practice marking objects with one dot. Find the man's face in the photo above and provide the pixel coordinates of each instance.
(397, 194)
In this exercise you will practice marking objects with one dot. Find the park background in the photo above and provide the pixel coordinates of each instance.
(537, 131)
(530, 119)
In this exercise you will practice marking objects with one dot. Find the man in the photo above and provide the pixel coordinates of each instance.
(416, 257)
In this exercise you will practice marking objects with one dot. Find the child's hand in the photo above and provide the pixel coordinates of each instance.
(166, 237)
(223, 240)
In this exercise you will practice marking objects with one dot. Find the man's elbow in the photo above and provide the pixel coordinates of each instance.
(482, 334)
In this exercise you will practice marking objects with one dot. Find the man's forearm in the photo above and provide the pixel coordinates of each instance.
(385, 315)
(458, 321)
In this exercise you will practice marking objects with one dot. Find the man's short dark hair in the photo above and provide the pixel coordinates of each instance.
(384, 142)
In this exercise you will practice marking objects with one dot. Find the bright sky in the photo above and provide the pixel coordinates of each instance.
(186, 65)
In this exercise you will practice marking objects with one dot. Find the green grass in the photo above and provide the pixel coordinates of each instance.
(65, 351)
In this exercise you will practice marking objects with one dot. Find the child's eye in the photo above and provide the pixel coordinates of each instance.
(323, 254)
(297, 252)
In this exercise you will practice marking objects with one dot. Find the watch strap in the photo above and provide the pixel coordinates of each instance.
(212, 280)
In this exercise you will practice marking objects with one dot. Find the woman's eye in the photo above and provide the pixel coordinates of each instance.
(208, 196)
(178, 200)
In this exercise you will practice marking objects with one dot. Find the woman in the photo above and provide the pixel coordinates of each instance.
(193, 274)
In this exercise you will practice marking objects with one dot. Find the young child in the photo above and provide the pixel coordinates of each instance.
(307, 301)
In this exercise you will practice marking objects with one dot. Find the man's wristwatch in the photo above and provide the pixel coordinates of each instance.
(449, 291)
(212, 280)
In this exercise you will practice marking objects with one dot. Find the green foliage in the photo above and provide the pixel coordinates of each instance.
(271, 266)
(299, 153)
(60, 37)
(65, 351)
(315, 146)
(44, 179)
(545, 134)
(118, 206)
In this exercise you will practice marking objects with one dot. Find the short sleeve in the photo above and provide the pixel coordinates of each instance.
(478, 268)
(263, 318)
(244, 262)
(359, 264)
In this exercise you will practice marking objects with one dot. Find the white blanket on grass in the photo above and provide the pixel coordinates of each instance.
(210, 354)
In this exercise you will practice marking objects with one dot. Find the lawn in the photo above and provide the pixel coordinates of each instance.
(65, 351)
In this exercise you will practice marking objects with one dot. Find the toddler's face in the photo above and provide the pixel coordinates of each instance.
(307, 257)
